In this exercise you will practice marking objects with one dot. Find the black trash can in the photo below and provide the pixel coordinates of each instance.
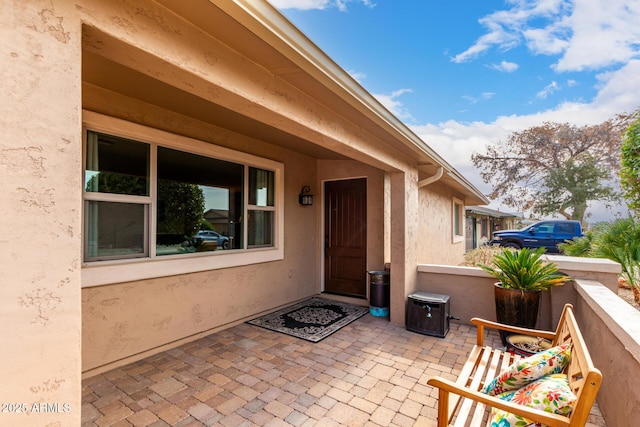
(379, 293)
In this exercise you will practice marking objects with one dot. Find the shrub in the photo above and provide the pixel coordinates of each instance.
(481, 255)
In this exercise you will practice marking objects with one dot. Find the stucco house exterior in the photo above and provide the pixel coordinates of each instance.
(120, 115)
(482, 221)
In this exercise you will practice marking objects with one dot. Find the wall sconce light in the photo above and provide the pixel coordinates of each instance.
(305, 199)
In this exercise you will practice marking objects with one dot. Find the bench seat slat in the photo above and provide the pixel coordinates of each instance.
(485, 363)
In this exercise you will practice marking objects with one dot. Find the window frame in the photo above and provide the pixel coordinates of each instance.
(457, 237)
(109, 271)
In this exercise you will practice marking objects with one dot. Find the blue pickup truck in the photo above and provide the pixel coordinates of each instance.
(543, 234)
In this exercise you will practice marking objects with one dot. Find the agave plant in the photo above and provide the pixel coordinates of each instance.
(524, 269)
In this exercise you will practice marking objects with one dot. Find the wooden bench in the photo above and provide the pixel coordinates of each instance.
(460, 403)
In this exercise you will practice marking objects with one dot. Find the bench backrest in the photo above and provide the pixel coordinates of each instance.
(584, 377)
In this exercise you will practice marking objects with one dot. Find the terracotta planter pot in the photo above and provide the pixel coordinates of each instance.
(516, 307)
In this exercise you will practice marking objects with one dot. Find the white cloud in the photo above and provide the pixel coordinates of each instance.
(585, 34)
(506, 27)
(505, 66)
(317, 4)
(394, 105)
(475, 99)
(357, 76)
(548, 90)
(603, 33)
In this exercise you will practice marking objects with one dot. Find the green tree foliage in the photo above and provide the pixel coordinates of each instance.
(630, 166)
(180, 208)
(568, 190)
(540, 168)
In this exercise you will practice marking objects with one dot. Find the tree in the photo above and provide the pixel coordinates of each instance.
(180, 208)
(543, 168)
(630, 166)
(572, 187)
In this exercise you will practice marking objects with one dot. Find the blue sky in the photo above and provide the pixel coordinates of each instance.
(463, 74)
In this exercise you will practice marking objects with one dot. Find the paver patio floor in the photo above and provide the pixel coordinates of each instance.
(370, 373)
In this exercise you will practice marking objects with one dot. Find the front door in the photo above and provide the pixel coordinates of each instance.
(345, 240)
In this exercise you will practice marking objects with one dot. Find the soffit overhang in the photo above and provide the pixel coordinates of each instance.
(262, 35)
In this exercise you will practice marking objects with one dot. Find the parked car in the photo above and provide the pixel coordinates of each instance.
(543, 234)
(209, 236)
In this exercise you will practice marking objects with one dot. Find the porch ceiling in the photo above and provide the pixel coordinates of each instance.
(102, 72)
(266, 40)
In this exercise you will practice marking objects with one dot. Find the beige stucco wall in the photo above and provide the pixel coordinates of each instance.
(611, 329)
(40, 154)
(436, 244)
(44, 302)
(123, 322)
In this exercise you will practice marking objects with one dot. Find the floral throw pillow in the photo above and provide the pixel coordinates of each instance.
(529, 369)
(550, 393)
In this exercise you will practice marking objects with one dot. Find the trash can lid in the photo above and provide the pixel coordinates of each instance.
(383, 273)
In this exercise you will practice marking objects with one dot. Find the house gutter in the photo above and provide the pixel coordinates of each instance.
(433, 178)
(265, 21)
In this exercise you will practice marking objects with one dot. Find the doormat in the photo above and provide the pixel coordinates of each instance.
(312, 320)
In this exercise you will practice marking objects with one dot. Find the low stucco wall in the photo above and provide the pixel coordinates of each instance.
(611, 329)
(471, 294)
(471, 289)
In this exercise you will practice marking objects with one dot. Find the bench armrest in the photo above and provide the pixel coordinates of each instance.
(482, 323)
(446, 386)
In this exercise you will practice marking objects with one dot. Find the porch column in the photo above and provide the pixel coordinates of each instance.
(404, 238)
(41, 199)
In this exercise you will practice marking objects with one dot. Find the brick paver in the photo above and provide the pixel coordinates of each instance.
(368, 373)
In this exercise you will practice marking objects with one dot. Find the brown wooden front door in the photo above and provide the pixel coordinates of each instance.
(345, 237)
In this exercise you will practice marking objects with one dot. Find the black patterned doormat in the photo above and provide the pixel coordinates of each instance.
(312, 320)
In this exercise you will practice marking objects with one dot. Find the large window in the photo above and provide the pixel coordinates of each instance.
(167, 197)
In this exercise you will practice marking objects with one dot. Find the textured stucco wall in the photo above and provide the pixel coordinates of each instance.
(436, 245)
(45, 312)
(123, 322)
(611, 329)
(40, 156)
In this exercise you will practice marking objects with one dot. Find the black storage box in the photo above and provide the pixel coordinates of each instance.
(428, 314)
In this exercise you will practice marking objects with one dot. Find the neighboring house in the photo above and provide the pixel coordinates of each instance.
(219, 220)
(481, 222)
(120, 115)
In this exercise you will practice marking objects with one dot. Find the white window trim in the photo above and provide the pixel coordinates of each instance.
(457, 238)
(97, 273)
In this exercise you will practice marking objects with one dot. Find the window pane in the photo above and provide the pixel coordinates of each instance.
(116, 165)
(457, 220)
(261, 187)
(115, 230)
(260, 228)
(197, 193)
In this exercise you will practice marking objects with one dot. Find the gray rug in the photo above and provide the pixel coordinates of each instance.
(311, 320)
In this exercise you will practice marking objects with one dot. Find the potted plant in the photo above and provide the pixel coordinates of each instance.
(522, 275)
